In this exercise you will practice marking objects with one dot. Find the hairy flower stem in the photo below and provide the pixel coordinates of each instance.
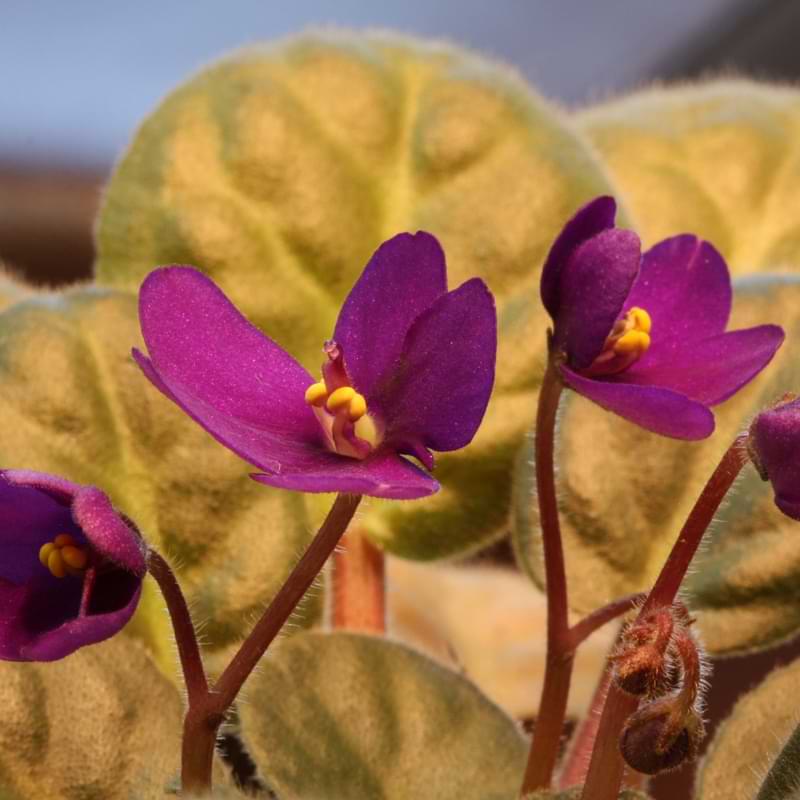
(207, 707)
(560, 653)
(359, 585)
(606, 768)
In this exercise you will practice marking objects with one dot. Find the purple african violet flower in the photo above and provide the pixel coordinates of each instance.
(774, 444)
(409, 369)
(71, 567)
(645, 337)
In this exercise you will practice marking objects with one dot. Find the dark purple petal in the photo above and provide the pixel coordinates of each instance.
(776, 440)
(39, 620)
(404, 276)
(654, 408)
(29, 518)
(594, 285)
(595, 217)
(237, 383)
(383, 475)
(685, 287)
(440, 391)
(710, 370)
(107, 532)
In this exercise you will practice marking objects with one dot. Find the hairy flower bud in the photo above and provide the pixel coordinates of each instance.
(660, 736)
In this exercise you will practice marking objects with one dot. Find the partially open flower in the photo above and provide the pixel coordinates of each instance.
(409, 369)
(774, 445)
(645, 337)
(71, 567)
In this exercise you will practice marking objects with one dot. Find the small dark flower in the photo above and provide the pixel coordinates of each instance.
(71, 567)
(645, 337)
(409, 369)
(774, 444)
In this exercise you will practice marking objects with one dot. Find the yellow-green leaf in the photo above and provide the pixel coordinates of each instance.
(747, 744)
(720, 159)
(625, 494)
(102, 724)
(351, 716)
(280, 170)
(12, 288)
(74, 403)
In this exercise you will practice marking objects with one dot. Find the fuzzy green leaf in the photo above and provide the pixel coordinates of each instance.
(351, 716)
(720, 159)
(745, 747)
(102, 724)
(74, 403)
(625, 497)
(280, 170)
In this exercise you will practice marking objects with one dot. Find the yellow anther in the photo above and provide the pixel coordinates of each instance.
(358, 407)
(63, 539)
(640, 319)
(56, 564)
(632, 342)
(340, 399)
(44, 552)
(316, 394)
(365, 429)
(74, 557)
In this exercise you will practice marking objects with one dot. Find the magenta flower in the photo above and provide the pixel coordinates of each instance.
(774, 443)
(71, 567)
(409, 369)
(645, 337)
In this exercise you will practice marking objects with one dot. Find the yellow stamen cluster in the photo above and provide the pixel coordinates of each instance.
(63, 557)
(345, 400)
(633, 336)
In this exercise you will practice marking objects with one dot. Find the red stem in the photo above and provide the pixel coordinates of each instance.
(606, 768)
(560, 653)
(583, 629)
(359, 585)
(207, 708)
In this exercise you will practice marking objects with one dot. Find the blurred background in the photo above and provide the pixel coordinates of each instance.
(78, 77)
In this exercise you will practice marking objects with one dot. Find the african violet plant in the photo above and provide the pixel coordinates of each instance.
(277, 173)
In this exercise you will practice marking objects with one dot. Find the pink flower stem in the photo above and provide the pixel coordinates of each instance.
(606, 768)
(359, 585)
(208, 707)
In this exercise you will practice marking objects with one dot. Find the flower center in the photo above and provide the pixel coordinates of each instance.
(63, 556)
(628, 341)
(341, 411)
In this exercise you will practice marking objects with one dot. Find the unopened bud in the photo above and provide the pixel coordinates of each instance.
(661, 736)
(641, 663)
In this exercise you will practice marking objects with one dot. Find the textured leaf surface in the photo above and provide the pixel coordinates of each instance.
(102, 724)
(720, 159)
(280, 170)
(625, 494)
(490, 623)
(350, 716)
(74, 403)
(746, 745)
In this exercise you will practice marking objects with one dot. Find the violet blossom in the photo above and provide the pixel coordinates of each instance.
(774, 444)
(644, 336)
(71, 567)
(409, 369)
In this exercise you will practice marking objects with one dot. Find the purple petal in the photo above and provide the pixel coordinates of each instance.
(383, 475)
(594, 285)
(39, 621)
(234, 381)
(595, 217)
(29, 518)
(776, 440)
(107, 532)
(404, 276)
(685, 287)
(54, 485)
(654, 408)
(710, 370)
(439, 394)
